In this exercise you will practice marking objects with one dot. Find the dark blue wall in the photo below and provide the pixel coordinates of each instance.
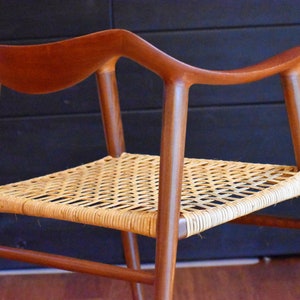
(41, 134)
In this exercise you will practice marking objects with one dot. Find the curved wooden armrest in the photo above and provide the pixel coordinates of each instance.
(85, 55)
(169, 68)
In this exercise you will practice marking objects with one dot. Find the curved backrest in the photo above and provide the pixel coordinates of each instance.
(50, 67)
(54, 66)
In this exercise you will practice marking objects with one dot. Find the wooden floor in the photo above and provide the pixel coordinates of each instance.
(276, 279)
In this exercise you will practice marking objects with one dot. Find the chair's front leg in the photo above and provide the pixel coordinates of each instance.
(171, 172)
(132, 257)
(291, 84)
(165, 266)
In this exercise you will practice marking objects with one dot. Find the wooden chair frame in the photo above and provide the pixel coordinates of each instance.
(55, 66)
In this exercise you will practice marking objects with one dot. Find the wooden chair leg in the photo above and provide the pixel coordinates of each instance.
(170, 183)
(165, 269)
(132, 257)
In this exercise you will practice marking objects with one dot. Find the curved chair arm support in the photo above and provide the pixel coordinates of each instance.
(101, 50)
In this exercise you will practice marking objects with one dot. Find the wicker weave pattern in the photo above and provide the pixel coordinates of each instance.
(122, 193)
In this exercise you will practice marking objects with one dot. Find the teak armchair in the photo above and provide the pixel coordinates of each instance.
(167, 197)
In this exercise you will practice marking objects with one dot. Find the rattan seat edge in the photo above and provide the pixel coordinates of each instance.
(73, 204)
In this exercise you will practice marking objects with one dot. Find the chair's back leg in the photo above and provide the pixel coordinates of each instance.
(171, 169)
(132, 258)
(113, 128)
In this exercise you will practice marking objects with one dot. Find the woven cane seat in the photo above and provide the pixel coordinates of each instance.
(122, 192)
